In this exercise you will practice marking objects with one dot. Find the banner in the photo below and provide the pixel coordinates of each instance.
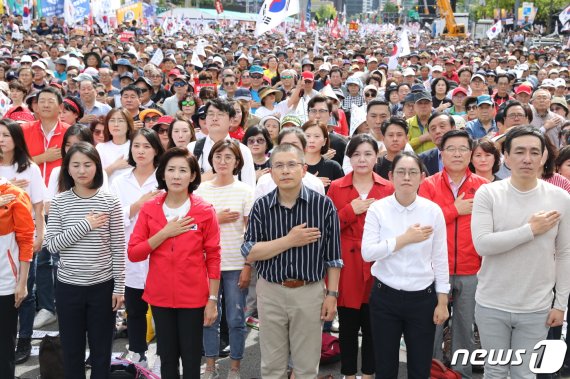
(126, 36)
(564, 17)
(75, 11)
(50, 8)
(273, 13)
(308, 12)
(102, 13)
(131, 12)
(27, 16)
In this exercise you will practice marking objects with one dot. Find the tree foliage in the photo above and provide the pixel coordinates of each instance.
(326, 12)
(544, 10)
(390, 7)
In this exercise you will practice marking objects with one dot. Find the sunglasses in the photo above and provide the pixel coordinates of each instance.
(97, 132)
(188, 103)
(370, 94)
(256, 76)
(100, 93)
(244, 76)
(229, 83)
(152, 119)
(143, 90)
(287, 77)
(179, 84)
(471, 107)
(162, 131)
(253, 141)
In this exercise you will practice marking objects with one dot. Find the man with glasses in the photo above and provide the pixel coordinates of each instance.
(453, 190)
(292, 255)
(256, 75)
(543, 118)
(485, 124)
(160, 92)
(181, 88)
(106, 78)
(319, 109)
(525, 255)
(503, 88)
(147, 91)
(438, 125)
(218, 120)
(287, 82)
(229, 87)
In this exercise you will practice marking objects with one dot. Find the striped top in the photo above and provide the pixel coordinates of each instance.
(559, 181)
(269, 220)
(87, 256)
(237, 197)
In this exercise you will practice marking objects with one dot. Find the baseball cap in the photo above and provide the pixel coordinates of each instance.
(307, 75)
(39, 64)
(459, 90)
(547, 83)
(423, 95)
(255, 69)
(437, 68)
(26, 59)
(484, 99)
(480, 76)
(523, 88)
(409, 72)
(242, 94)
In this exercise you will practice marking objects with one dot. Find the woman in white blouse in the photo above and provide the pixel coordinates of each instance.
(405, 236)
(133, 190)
(119, 127)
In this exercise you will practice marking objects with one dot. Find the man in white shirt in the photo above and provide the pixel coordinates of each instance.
(218, 118)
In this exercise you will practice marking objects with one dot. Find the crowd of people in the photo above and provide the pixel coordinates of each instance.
(273, 186)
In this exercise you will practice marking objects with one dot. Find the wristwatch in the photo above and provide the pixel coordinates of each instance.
(332, 293)
(213, 298)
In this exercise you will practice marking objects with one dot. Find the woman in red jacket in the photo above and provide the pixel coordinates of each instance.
(352, 195)
(181, 234)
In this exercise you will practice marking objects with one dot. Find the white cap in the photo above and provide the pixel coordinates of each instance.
(26, 59)
(559, 82)
(218, 60)
(437, 68)
(39, 64)
(409, 72)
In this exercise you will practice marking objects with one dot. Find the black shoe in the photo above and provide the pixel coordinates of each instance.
(23, 350)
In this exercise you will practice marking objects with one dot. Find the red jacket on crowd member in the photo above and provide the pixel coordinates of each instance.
(342, 124)
(463, 258)
(181, 267)
(37, 142)
(355, 278)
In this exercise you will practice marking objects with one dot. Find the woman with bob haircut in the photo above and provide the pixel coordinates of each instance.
(259, 142)
(179, 232)
(485, 159)
(232, 200)
(85, 226)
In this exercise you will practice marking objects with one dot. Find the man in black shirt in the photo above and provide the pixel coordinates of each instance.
(395, 132)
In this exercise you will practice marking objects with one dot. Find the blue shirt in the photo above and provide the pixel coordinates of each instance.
(269, 220)
(99, 109)
(476, 130)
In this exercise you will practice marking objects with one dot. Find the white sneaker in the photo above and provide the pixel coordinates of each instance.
(43, 318)
(211, 373)
(156, 366)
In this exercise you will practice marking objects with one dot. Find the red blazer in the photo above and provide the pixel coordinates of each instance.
(355, 277)
(35, 140)
(463, 258)
(342, 125)
(180, 268)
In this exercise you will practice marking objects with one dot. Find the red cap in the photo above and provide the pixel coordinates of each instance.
(523, 88)
(307, 75)
(175, 72)
(450, 61)
(459, 90)
(360, 60)
(20, 114)
(165, 120)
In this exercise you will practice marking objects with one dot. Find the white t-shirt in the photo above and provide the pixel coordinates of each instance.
(282, 108)
(110, 152)
(237, 197)
(36, 188)
(180, 212)
(265, 184)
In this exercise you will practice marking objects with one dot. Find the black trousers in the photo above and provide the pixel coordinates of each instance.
(179, 335)
(136, 319)
(350, 322)
(85, 310)
(393, 312)
(8, 336)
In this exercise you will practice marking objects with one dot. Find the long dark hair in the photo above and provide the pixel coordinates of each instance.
(152, 138)
(82, 132)
(22, 157)
(66, 182)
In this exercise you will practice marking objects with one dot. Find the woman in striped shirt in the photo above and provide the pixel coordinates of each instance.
(86, 227)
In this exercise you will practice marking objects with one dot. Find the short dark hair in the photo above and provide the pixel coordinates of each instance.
(298, 132)
(152, 138)
(437, 80)
(409, 154)
(501, 75)
(324, 130)
(17, 85)
(53, 91)
(377, 102)
(563, 156)
(521, 131)
(234, 147)
(131, 87)
(221, 105)
(461, 133)
(358, 140)
(549, 167)
(399, 121)
(178, 152)
(437, 114)
(76, 108)
(488, 147)
(21, 157)
(319, 99)
(87, 149)
(257, 130)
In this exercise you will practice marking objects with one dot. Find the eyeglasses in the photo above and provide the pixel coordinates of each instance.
(188, 103)
(156, 76)
(143, 90)
(151, 119)
(117, 121)
(162, 130)
(229, 83)
(370, 94)
(71, 76)
(224, 158)
(290, 166)
(245, 76)
(314, 111)
(472, 108)
(287, 77)
(100, 93)
(401, 173)
(256, 76)
(214, 114)
(179, 84)
(454, 150)
(513, 116)
(253, 141)
(97, 132)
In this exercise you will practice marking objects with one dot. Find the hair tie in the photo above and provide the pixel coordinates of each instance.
(72, 104)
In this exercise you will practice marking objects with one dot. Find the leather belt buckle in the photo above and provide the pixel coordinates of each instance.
(293, 283)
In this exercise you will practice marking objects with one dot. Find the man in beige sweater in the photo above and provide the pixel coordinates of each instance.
(520, 226)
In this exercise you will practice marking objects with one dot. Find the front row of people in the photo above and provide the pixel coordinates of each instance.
(373, 247)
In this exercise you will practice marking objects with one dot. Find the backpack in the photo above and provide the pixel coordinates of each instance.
(440, 371)
(51, 358)
(330, 349)
(199, 149)
(123, 369)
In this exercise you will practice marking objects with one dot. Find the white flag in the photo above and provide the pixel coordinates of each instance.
(495, 30)
(196, 60)
(27, 17)
(316, 46)
(564, 17)
(402, 48)
(157, 58)
(69, 12)
(273, 13)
